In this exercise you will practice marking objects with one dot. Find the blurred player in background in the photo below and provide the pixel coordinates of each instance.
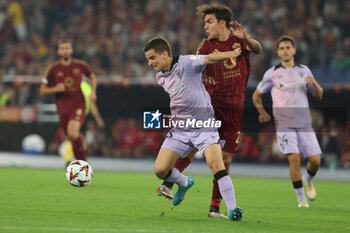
(226, 84)
(181, 78)
(64, 146)
(288, 83)
(63, 79)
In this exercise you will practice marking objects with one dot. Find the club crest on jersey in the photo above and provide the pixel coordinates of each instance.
(69, 82)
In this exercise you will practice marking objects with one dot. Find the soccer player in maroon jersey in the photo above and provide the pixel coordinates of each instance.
(226, 83)
(63, 79)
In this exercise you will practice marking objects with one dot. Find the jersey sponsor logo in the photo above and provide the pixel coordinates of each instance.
(283, 85)
(151, 119)
(60, 74)
(177, 89)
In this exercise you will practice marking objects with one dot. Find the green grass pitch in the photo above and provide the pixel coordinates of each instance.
(38, 200)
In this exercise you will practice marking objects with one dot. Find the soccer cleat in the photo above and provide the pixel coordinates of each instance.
(215, 213)
(180, 194)
(236, 214)
(165, 191)
(310, 191)
(303, 204)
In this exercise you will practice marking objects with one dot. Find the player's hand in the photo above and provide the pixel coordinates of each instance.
(238, 30)
(233, 54)
(208, 79)
(264, 117)
(310, 80)
(92, 97)
(60, 87)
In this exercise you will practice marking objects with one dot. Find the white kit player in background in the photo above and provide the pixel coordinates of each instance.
(288, 83)
(181, 78)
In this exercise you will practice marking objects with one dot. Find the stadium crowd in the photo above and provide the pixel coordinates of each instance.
(109, 34)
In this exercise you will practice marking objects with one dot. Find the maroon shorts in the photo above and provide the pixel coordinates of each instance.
(231, 124)
(77, 114)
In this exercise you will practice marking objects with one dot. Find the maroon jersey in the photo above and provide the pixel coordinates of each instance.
(231, 81)
(72, 99)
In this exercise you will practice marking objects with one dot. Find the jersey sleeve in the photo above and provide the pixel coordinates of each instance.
(49, 78)
(203, 48)
(194, 63)
(308, 72)
(86, 70)
(266, 83)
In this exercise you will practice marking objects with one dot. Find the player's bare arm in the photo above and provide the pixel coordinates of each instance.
(46, 90)
(238, 30)
(318, 90)
(263, 115)
(222, 56)
(93, 84)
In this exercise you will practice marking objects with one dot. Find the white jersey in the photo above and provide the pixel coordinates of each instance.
(183, 83)
(289, 95)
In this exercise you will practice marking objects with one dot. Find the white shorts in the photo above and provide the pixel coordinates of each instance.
(299, 141)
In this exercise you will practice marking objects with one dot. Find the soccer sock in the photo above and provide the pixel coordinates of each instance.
(226, 189)
(215, 196)
(182, 163)
(174, 176)
(309, 175)
(299, 190)
(79, 148)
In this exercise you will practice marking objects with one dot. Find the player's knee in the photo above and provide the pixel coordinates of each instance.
(160, 171)
(227, 160)
(294, 160)
(71, 136)
(315, 161)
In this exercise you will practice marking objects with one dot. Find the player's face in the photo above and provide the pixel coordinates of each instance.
(65, 50)
(155, 60)
(212, 26)
(286, 51)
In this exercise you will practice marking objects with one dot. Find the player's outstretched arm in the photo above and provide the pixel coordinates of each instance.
(222, 56)
(318, 90)
(46, 90)
(238, 30)
(263, 115)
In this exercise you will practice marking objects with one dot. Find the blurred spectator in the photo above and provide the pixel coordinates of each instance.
(15, 14)
(132, 141)
(110, 34)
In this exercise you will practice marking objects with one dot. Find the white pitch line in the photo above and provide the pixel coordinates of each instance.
(66, 229)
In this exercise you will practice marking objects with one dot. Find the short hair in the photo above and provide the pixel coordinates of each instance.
(285, 38)
(221, 12)
(158, 44)
(63, 41)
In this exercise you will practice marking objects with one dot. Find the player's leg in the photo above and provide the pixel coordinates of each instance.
(296, 177)
(231, 139)
(289, 145)
(213, 156)
(311, 150)
(77, 139)
(172, 149)
(165, 189)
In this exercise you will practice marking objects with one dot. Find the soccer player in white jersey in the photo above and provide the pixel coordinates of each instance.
(181, 78)
(288, 83)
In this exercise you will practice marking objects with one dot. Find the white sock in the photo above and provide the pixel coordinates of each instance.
(177, 178)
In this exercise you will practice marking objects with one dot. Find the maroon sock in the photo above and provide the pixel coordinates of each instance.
(181, 164)
(215, 196)
(79, 148)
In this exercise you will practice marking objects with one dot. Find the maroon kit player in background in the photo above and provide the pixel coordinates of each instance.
(226, 83)
(63, 79)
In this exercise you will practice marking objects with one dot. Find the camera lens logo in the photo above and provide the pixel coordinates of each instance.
(151, 119)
